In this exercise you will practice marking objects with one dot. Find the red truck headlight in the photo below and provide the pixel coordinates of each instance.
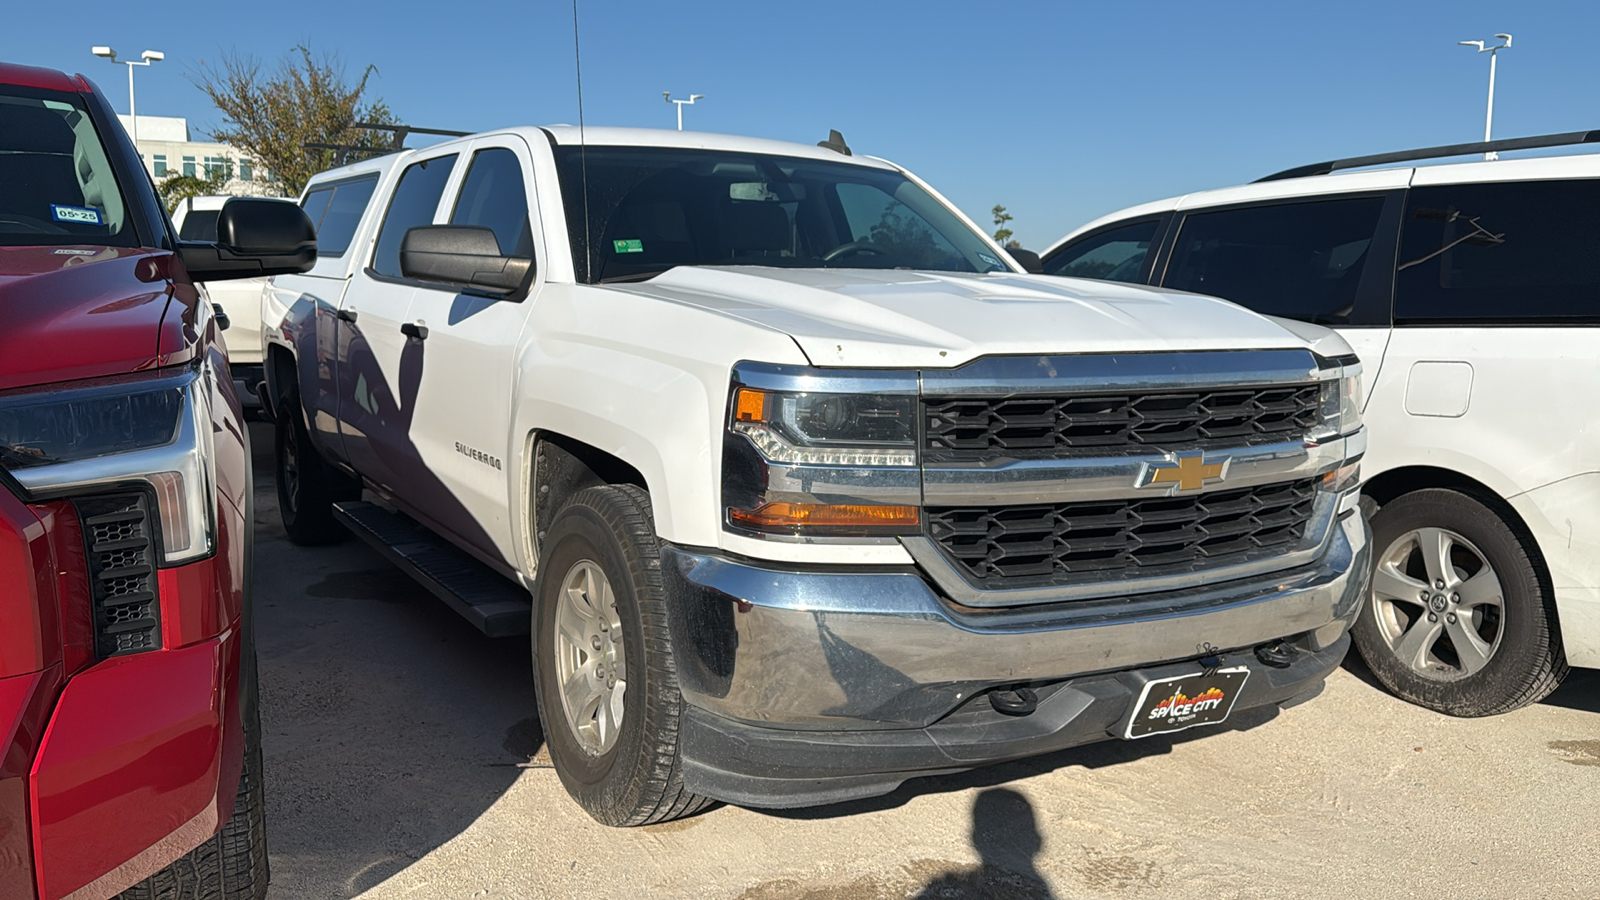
(149, 431)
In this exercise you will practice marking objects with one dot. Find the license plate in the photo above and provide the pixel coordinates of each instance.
(1173, 704)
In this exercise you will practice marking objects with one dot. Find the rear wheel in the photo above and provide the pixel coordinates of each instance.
(603, 663)
(307, 485)
(1458, 619)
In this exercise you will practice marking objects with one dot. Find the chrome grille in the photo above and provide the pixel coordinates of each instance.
(1105, 540)
(1115, 423)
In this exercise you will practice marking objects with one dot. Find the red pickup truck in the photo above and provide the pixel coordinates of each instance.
(129, 740)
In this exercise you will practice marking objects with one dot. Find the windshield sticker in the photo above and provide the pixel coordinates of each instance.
(990, 260)
(83, 215)
(629, 246)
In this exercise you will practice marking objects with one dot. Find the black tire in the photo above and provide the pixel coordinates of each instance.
(232, 864)
(307, 485)
(639, 780)
(1524, 666)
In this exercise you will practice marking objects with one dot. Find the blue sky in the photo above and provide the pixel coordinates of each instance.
(1061, 111)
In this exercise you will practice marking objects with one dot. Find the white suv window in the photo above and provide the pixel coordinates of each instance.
(1115, 255)
(1513, 251)
(1298, 260)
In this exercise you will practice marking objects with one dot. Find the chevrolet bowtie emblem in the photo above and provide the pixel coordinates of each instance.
(1189, 473)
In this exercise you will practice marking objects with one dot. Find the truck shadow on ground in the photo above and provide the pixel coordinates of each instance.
(390, 724)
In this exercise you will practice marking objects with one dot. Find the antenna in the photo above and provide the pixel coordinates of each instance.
(583, 151)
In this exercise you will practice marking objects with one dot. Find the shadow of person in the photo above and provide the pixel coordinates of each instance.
(1005, 832)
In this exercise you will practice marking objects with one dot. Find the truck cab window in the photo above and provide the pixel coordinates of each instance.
(494, 197)
(416, 199)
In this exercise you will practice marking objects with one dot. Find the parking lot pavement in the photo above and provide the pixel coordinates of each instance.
(404, 759)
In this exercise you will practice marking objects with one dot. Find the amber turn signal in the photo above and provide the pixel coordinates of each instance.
(750, 405)
(781, 517)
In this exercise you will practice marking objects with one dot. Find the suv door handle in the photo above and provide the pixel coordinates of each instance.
(348, 315)
(413, 330)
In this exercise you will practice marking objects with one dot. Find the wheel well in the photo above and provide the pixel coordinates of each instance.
(1390, 485)
(562, 467)
(279, 371)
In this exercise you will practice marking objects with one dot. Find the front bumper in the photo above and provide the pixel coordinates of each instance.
(813, 686)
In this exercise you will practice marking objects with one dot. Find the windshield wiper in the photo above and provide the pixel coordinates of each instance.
(646, 275)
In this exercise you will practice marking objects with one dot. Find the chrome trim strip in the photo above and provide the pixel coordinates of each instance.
(804, 379)
(1005, 376)
(1011, 482)
(925, 551)
(891, 485)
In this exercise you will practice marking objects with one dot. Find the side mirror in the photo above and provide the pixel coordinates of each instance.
(1027, 259)
(462, 256)
(255, 237)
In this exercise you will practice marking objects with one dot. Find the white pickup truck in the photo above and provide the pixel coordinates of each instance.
(801, 485)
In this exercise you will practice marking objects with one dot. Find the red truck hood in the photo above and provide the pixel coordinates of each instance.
(79, 312)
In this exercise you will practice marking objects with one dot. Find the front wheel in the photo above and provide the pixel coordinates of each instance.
(231, 864)
(603, 665)
(1458, 619)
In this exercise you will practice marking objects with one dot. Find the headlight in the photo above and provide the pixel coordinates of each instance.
(828, 429)
(152, 430)
(1341, 401)
(821, 453)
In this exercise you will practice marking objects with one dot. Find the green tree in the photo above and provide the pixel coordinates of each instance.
(1002, 233)
(271, 116)
(174, 189)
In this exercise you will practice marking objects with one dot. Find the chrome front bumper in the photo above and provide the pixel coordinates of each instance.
(828, 660)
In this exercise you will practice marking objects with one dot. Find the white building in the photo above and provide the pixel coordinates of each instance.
(166, 149)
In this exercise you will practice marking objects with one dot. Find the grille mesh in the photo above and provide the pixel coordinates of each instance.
(118, 535)
(1116, 423)
(1021, 546)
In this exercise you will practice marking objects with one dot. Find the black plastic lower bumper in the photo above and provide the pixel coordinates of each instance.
(769, 767)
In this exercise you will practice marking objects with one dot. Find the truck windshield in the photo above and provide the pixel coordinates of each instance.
(649, 209)
(56, 184)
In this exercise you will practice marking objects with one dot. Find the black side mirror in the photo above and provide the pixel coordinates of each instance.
(255, 237)
(462, 256)
(1027, 259)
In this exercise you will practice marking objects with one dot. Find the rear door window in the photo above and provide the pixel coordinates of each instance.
(416, 199)
(1117, 254)
(1299, 260)
(1521, 251)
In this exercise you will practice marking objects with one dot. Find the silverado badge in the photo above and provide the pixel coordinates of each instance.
(1187, 472)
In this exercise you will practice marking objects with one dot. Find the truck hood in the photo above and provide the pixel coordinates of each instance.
(872, 318)
(78, 312)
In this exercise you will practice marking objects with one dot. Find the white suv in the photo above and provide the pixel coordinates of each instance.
(1471, 292)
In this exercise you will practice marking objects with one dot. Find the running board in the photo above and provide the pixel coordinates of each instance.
(498, 607)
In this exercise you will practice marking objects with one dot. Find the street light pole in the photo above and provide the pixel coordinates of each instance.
(1488, 119)
(667, 95)
(145, 59)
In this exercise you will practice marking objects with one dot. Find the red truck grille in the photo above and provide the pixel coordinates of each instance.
(119, 534)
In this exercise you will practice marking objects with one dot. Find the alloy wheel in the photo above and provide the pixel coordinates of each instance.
(1438, 604)
(591, 664)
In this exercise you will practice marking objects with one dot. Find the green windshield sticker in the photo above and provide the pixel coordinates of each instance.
(630, 246)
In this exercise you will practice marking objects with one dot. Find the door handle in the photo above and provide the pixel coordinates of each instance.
(348, 315)
(414, 330)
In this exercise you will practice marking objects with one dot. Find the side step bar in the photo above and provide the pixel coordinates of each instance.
(498, 607)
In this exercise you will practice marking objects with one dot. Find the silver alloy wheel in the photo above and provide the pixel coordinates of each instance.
(1438, 604)
(591, 665)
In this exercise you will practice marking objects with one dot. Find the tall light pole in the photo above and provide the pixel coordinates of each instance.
(145, 59)
(667, 95)
(1488, 119)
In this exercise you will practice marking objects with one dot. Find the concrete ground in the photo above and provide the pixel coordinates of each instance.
(404, 759)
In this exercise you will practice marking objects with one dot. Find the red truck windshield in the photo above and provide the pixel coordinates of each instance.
(56, 183)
